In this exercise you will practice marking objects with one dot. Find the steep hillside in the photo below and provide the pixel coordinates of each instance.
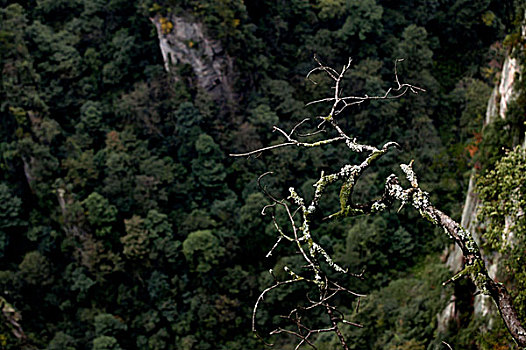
(125, 225)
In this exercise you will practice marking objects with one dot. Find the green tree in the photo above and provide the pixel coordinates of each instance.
(149, 238)
(91, 118)
(105, 342)
(108, 324)
(80, 281)
(35, 269)
(134, 177)
(62, 341)
(136, 242)
(203, 250)
(207, 167)
(100, 214)
(364, 18)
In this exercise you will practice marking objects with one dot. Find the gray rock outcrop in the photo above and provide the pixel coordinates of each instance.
(502, 94)
(184, 41)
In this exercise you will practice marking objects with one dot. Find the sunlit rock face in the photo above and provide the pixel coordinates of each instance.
(184, 42)
(510, 72)
(502, 95)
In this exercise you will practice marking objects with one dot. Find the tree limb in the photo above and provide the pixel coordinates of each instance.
(312, 252)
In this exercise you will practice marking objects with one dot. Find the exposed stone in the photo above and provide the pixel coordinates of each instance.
(510, 71)
(500, 98)
(446, 315)
(503, 94)
(185, 42)
(496, 107)
(492, 109)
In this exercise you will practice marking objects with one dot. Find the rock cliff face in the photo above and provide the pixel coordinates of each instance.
(502, 94)
(184, 42)
(498, 104)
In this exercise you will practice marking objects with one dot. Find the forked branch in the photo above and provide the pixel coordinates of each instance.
(339, 103)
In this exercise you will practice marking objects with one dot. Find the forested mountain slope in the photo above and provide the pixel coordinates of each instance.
(125, 225)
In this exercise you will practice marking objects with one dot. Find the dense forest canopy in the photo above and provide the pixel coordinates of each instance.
(125, 225)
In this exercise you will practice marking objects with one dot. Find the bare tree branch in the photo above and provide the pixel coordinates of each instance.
(313, 253)
(446, 344)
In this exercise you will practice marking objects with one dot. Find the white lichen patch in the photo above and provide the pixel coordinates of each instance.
(348, 170)
(397, 192)
(316, 248)
(295, 197)
(420, 199)
(378, 206)
(410, 174)
(353, 146)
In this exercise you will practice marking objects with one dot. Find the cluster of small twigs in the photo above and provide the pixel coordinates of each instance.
(314, 254)
(313, 274)
(339, 103)
(300, 330)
